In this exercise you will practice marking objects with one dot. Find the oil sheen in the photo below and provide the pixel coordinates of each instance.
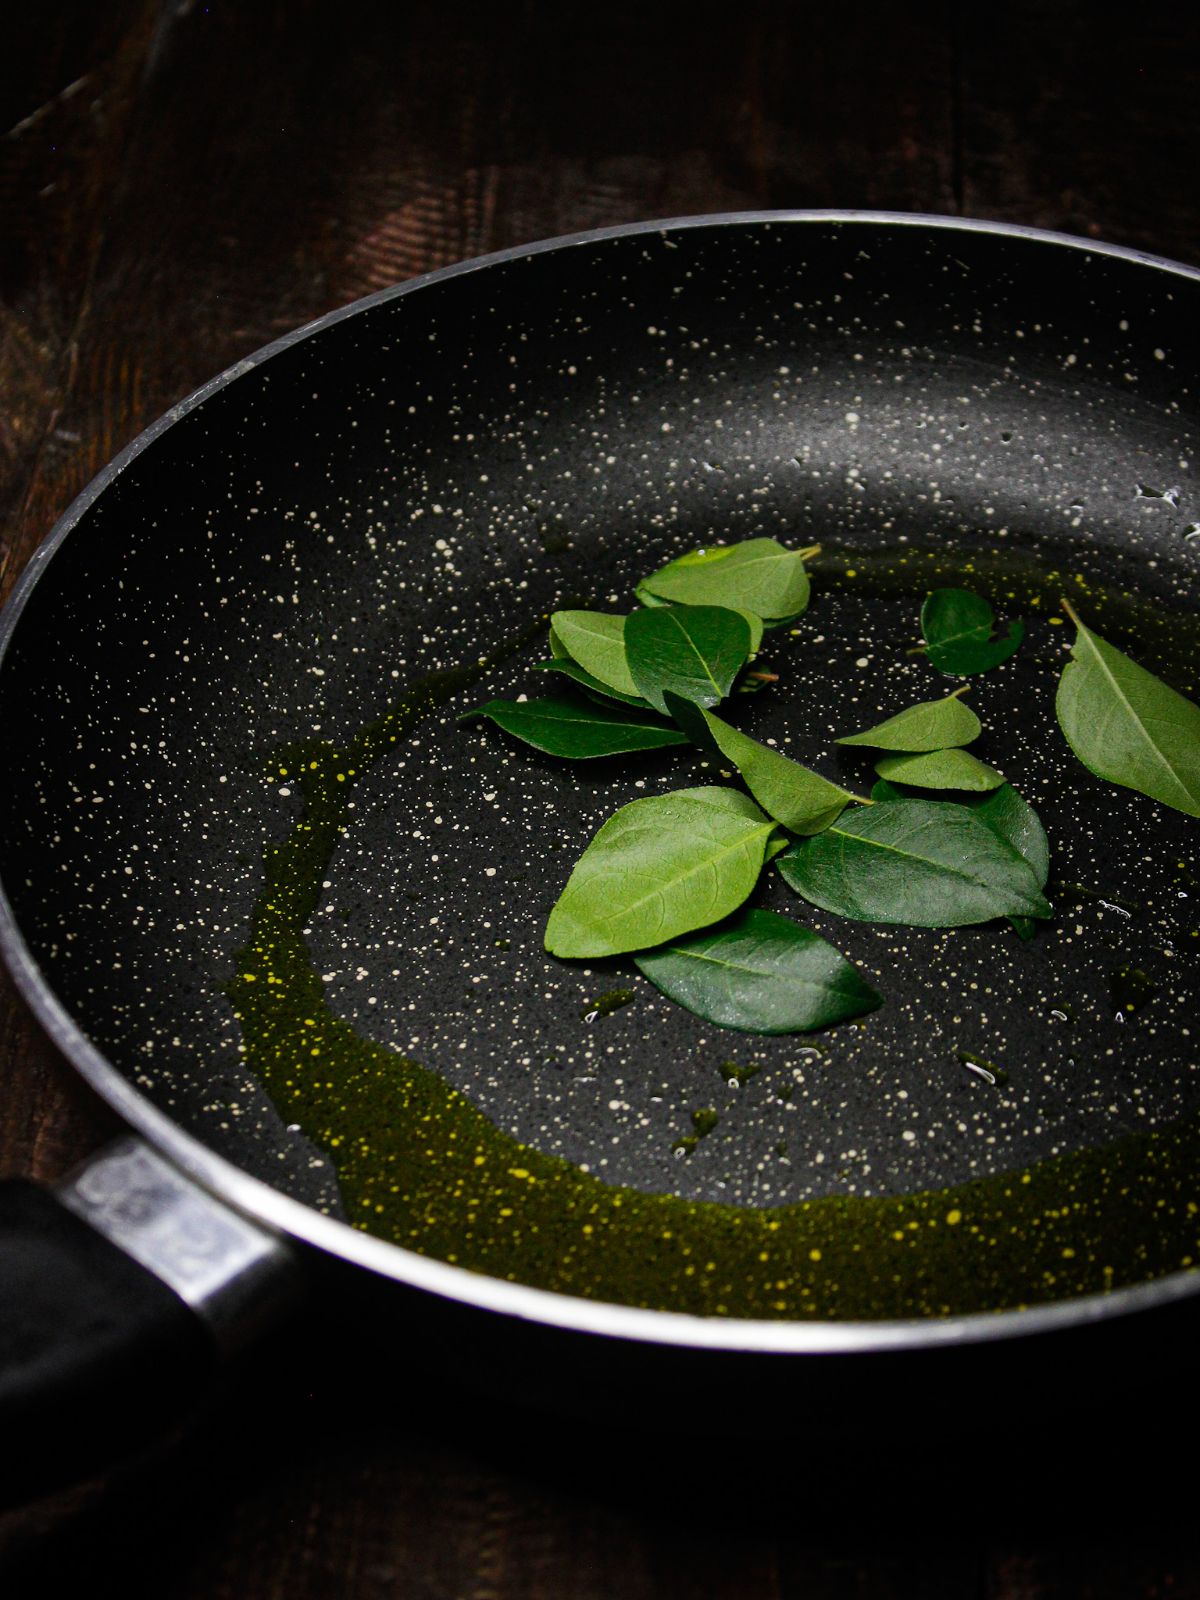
(419, 1164)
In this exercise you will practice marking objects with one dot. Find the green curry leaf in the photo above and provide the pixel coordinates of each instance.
(957, 628)
(694, 652)
(929, 863)
(580, 675)
(1014, 819)
(1128, 726)
(658, 868)
(940, 769)
(596, 640)
(762, 973)
(579, 729)
(802, 800)
(757, 575)
(932, 725)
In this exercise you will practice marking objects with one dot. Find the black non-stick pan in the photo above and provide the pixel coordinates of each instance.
(284, 909)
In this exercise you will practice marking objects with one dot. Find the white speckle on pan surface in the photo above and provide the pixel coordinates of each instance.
(424, 479)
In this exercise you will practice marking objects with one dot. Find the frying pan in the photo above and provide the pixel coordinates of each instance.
(283, 908)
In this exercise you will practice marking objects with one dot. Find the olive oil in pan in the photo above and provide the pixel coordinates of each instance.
(420, 1164)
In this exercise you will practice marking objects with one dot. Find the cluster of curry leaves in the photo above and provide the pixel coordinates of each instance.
(666, 878)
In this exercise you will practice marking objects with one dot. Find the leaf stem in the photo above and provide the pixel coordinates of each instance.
(961, 690)
(916, 650)
(1070, 610)
(809, 552)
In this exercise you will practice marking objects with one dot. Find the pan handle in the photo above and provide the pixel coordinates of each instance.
(119, 1293)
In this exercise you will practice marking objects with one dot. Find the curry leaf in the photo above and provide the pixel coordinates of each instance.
(757, 575)
(940, 769)
(741, 805)
(957, 628)
(930, 863)
(801, 799)
(1008, 814)
(722, 799)
(579, 729)
(932, 725)
(1128, 726)
(882, 791)
(580, 675)
(658, 868)
(1015, 820)
(761, 973)
(597, 641)
(694, 652)
(755, 624)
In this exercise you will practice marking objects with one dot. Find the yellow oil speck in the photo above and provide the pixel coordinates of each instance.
(506, 1211)
(954, 1217)
(250, 977)
(814, 1255)
(315, 1051)
(852, 572)
(518, 1172)
(587, 1228)
(1055, 622)
(899, 1234)
(1068, 1253)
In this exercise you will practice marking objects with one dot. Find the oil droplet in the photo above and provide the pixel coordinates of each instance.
(703, 1121)
(1144, 491)
(1129, 989)
(605, 1004)
(736, 1076)
(981, 1068)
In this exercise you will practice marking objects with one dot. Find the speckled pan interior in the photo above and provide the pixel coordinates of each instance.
(412, 487)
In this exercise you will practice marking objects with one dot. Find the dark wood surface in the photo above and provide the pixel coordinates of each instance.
(180, 182)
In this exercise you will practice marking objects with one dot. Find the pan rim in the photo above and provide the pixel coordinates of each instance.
(292, 1218)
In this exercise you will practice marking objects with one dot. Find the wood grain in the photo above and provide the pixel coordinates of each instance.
(182, 182)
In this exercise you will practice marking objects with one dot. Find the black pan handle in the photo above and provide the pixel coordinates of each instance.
(119, 1294)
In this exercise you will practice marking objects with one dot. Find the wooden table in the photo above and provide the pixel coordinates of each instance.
(181, 181)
